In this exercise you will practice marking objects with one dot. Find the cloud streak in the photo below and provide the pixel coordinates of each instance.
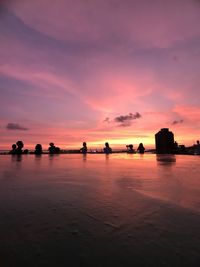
(15, 127)
(177, 122)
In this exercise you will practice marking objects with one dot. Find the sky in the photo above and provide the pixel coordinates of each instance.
(99, 70)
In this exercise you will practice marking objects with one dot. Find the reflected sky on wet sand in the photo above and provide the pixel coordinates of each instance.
(88, 208)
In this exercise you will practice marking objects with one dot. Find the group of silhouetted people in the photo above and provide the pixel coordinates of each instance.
(17, 149)
(140, 148)
(106, 149)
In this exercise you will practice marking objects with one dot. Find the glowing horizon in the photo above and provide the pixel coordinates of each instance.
(96, 71)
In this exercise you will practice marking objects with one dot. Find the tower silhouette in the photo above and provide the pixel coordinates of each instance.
(164, 141)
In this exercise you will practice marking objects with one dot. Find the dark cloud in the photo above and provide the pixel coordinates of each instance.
(177, 122)
(126, 120)
(107, 119)
(15, 126)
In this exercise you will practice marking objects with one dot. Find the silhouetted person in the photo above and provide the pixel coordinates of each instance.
(20, 145)
(84, 148)
(107, 148)
(198, 147)
(13, 151)
(141, 148)
(130, 148)
(38, 149)
(52, 148)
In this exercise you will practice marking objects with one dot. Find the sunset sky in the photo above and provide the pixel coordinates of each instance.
(99, 70)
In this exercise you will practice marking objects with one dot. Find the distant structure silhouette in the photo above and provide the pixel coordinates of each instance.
(176, 146)
(20, 145)
(57, 150)
(181, 149)
(107, 149)
(164, 142)
(13, 150)
(130, 148)
(141, 148)
(26, 151)
(38, 149)
(198, 147)
(84, 148)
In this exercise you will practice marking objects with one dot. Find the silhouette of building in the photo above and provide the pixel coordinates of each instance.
(164, 142)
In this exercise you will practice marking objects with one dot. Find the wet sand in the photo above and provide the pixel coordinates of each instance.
(98, 210)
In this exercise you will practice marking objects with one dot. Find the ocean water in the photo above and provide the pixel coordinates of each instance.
(100, 210)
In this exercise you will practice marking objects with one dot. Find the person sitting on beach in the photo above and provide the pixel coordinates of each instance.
(84, 148)
(13, 151)
(52, 148)
(141, 148)
(38, 149)
(107, 148)
(130, 148)
(19, 150)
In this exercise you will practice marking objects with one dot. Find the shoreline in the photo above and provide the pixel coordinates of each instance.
(96, 152)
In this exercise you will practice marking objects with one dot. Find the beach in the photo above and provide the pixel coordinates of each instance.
(99, 210)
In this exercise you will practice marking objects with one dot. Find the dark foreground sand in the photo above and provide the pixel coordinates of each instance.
(116, 210)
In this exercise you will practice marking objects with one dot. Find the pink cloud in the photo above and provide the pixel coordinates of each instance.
(84, 62)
